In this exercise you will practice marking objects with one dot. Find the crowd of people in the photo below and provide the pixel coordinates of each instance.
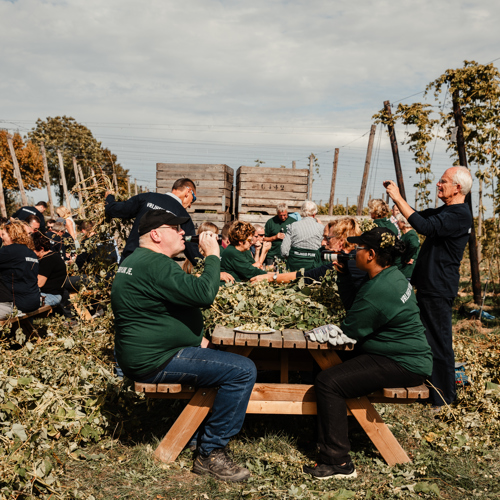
(402, 338)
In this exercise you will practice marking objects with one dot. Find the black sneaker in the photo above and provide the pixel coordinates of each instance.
(219, 465)
(327, 471)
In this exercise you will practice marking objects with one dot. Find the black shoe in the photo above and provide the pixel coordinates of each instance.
(219, 465)
(326, 471)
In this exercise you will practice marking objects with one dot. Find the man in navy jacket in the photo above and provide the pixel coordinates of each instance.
(437, 271)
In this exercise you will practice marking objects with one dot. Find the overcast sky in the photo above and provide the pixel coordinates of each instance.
(208, 81)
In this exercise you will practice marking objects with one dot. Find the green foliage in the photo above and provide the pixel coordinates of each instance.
(340, 209)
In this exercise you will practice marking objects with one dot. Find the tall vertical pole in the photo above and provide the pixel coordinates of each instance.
(368, 160)
(334, 180)
(480, 220)
(294, 164)
(311, 174)
(128, 186)
(63, 180)
(135, 186)
(17, 171)
(78, 186)
(347, 206)
(395, 151)
(82, 180)
(93, 176)
(462, 156)
(3, 209)
(47, 178)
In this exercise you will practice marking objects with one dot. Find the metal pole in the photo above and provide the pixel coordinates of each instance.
(395, 152)
(368, 160)
(462, 155)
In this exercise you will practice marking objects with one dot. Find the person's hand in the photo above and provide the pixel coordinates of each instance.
(226, 277)
(206, 344)
(208, 244)
(339, 266)
(411, 261)
(267, 246)
(392, 190)
(108, 193)
(261, 277)
(280, 236)
(257, 245)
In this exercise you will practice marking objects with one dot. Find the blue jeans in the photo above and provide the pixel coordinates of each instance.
(233, 374)
(51, 300)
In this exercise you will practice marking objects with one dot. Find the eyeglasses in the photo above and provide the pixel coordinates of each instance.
(360, 248)
(176, 228)
(259, 235)
(250, 239)
(194, 196)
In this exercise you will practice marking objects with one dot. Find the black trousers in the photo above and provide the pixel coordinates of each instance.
(356, 377)
(435, 313)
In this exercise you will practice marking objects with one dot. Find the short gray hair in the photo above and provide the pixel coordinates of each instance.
(463, 177)
(403, 219)
(281, 207)
(258, 226)
(308, 209)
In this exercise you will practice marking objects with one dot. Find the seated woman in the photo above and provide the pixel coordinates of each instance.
(51, 272)
(236, 258)
(410, 238)
(18, 270)
(302, 242)
(380, 213)
(188, 267)
(385, 321)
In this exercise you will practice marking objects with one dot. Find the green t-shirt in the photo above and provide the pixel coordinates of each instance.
(274, 226)
(239, 264)
(156, 308)
(412, 242)
(387, 224)
(385, 320)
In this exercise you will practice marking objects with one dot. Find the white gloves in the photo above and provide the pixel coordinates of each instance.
(329, 333)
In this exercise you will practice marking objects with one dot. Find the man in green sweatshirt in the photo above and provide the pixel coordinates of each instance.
(159, 334)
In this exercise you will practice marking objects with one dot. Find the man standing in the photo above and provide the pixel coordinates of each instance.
(159, 333)
(24, 212)
(182, 196)
(437, 271)
(276, 228)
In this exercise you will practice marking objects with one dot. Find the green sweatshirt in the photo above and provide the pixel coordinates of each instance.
(387, 224)
(239, 264)
(412, 242)
(156, 307)
(274, 226)
(385, 320)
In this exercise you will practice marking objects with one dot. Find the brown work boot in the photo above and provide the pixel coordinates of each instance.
(219, 465)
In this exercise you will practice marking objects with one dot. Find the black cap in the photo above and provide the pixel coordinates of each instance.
(372, 238)
(153, 219)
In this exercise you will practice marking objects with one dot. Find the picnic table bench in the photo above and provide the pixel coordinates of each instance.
(283, 397)
(25, 321)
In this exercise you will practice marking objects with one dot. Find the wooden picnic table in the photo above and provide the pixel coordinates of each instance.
(284, 351)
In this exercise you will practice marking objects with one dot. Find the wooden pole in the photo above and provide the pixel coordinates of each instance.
(135, 186)
(368, 160)
(311, 175)
(93, 176)
(63, 180)
(334, 180)
(78, 186)
(462, 155)
(82, 180)
(347, 206)
(437, 199)
(3, 209)
(17, 171)
(115, 180)
(395, 152)
(480, 220)
(294, 164)
(47, 178)
(128, 186)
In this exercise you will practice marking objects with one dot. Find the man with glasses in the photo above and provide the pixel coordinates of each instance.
(159, 334)
(437, 271)
(176, 202)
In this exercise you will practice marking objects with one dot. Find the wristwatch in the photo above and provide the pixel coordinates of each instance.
(275, 276)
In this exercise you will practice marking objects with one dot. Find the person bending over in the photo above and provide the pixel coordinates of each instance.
(385, 321)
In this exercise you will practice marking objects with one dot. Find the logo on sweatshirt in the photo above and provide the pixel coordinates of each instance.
(125, 270)
(407, 294)
(31, 259)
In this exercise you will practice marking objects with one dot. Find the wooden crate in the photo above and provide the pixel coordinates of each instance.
(260, 189)
(214, 184)
(218, 219)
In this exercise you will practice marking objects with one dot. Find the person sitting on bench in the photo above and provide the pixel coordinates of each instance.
(159, 333)
(385, 321)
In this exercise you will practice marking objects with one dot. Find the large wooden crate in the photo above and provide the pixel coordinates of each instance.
(218, 219)
(260, 189)
(214, 184)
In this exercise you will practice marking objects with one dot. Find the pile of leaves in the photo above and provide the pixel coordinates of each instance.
(295, 305)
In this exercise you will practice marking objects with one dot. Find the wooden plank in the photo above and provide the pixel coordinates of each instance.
(185, 426)
(276, 195)
(271, 187)
(200, 176)
(143, 387)
(283, 172)
(325, 358)
(257, 178)
(223, 336)
(271, 340)
(172, 388)
(206, 191)
(418, 392)
(294, 339)
(396, 392)
(282, 407)
(218, 219)
(200, 184)
(246, 339)
(283, 392)
(183, 167)
(317, 345)
(377, 431)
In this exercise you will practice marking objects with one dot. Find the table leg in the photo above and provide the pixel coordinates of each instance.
(367, 416)
(185, 426)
